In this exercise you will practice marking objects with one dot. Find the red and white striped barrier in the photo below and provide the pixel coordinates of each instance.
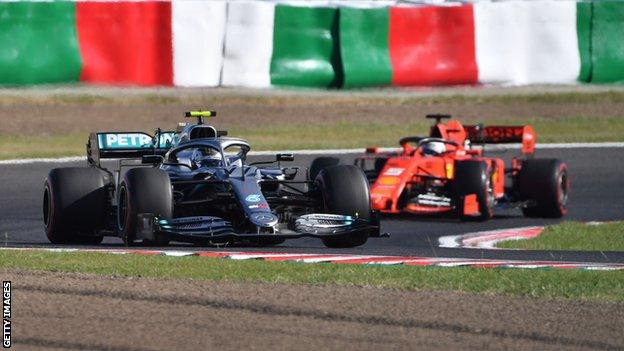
(352, 259)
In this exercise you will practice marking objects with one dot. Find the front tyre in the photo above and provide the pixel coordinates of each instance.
(74, 205)
(143, 190)
(474, 177)
(545, 185)
(319, 164)
(345, 191)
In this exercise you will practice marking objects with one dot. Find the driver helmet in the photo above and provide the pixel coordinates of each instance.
(433, 148)
(206, 157)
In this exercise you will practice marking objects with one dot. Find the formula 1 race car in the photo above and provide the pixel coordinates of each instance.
(194, 185)
(446, 173)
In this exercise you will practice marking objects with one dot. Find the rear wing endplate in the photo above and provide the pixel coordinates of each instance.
(503, 135)
(127, 145)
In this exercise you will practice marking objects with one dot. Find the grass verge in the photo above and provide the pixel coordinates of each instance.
(571, 284)
(575, 236)
(341, 134)
(295, 95)
(13, 146)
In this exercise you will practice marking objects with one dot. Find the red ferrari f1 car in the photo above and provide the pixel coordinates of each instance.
(447, 172)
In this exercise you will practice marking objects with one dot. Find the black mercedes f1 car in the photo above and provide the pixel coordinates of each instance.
(194, 185)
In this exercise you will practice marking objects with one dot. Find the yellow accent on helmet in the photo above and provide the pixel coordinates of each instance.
(200, 114)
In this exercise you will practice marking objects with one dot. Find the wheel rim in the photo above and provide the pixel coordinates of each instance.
(490, 194)
(563, 189)
(47, 208)
(122, 209)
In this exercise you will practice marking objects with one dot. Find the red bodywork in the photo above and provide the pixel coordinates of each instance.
(410, 168)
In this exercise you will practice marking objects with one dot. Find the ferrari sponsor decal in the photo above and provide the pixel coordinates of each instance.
(449, 170)
(253, 198)
(394, 172)
(387, 181)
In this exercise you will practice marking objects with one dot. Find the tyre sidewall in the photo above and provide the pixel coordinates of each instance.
(319, 164)
(539, 181)
(76, 205)
(344, 191)
(145, 190)
(474, 177)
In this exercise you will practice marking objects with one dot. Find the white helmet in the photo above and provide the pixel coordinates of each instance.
(433, 148)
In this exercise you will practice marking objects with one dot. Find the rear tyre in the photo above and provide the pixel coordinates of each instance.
(320, 163)
(544, 183)
(74, 205)
(143, 190)
(345, 191)
(473, 177)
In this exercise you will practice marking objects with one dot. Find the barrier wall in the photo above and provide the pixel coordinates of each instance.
(331, 43)
(364, 47)
(527, 42)
(584, 13)
(125, 42)
(408, 46)
(432, 45)
(198, 32)
(306, 51)
(268, 44)
(608, 41)
(38, 43)
(248, 44)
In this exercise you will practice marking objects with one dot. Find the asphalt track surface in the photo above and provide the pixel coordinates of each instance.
(597, 195)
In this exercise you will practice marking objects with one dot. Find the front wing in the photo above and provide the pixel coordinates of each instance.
(202, 229)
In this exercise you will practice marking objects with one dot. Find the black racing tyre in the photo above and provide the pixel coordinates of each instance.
(473, 177)
(544, 183)
(320, 163)
(345, 191)
(143, 190)
(74, 205)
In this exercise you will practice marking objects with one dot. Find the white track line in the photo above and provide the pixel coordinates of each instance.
(489, 238)
(337, 152)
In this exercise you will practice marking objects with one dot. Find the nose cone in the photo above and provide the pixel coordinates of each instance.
(263, 219)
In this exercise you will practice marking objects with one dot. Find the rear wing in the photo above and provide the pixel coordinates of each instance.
(503, 135)
(127, 145)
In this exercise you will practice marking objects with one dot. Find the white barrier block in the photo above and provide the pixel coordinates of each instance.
(248, 44)
(198, 33)
(530, 42)
(362, 4)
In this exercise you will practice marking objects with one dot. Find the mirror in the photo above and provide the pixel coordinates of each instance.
(284, 157)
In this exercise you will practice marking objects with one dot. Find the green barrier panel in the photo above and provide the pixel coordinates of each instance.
(306, 51)
(364, 47)
(583, 31)
(608, 42)
(38, 43)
